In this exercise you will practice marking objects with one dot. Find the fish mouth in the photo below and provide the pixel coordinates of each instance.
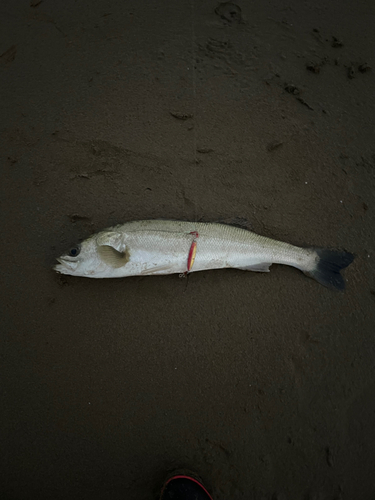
(65, 267)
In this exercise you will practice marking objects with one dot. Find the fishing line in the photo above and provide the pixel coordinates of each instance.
(194, 83)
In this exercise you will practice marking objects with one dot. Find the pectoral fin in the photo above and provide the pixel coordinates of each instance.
(263, 267)
(112, 249)
(113, 257)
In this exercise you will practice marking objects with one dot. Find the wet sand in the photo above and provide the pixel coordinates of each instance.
(262, 383)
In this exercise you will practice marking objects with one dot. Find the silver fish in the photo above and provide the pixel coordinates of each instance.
(150, 247)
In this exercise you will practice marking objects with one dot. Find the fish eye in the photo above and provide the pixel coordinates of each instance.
(74, 251)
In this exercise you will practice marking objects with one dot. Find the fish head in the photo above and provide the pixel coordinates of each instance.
(82, 259)
(97, 257)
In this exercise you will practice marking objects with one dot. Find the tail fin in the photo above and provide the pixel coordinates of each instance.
(328, 267)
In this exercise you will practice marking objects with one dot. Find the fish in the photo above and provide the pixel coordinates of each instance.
(157, 247)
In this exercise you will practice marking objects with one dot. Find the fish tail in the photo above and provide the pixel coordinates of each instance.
(327, 267)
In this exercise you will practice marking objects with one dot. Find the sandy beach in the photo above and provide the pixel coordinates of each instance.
(113, 111)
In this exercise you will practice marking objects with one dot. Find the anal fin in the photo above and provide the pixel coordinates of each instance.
(262, 267)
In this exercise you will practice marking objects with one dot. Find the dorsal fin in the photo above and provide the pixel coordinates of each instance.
(240, 222)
